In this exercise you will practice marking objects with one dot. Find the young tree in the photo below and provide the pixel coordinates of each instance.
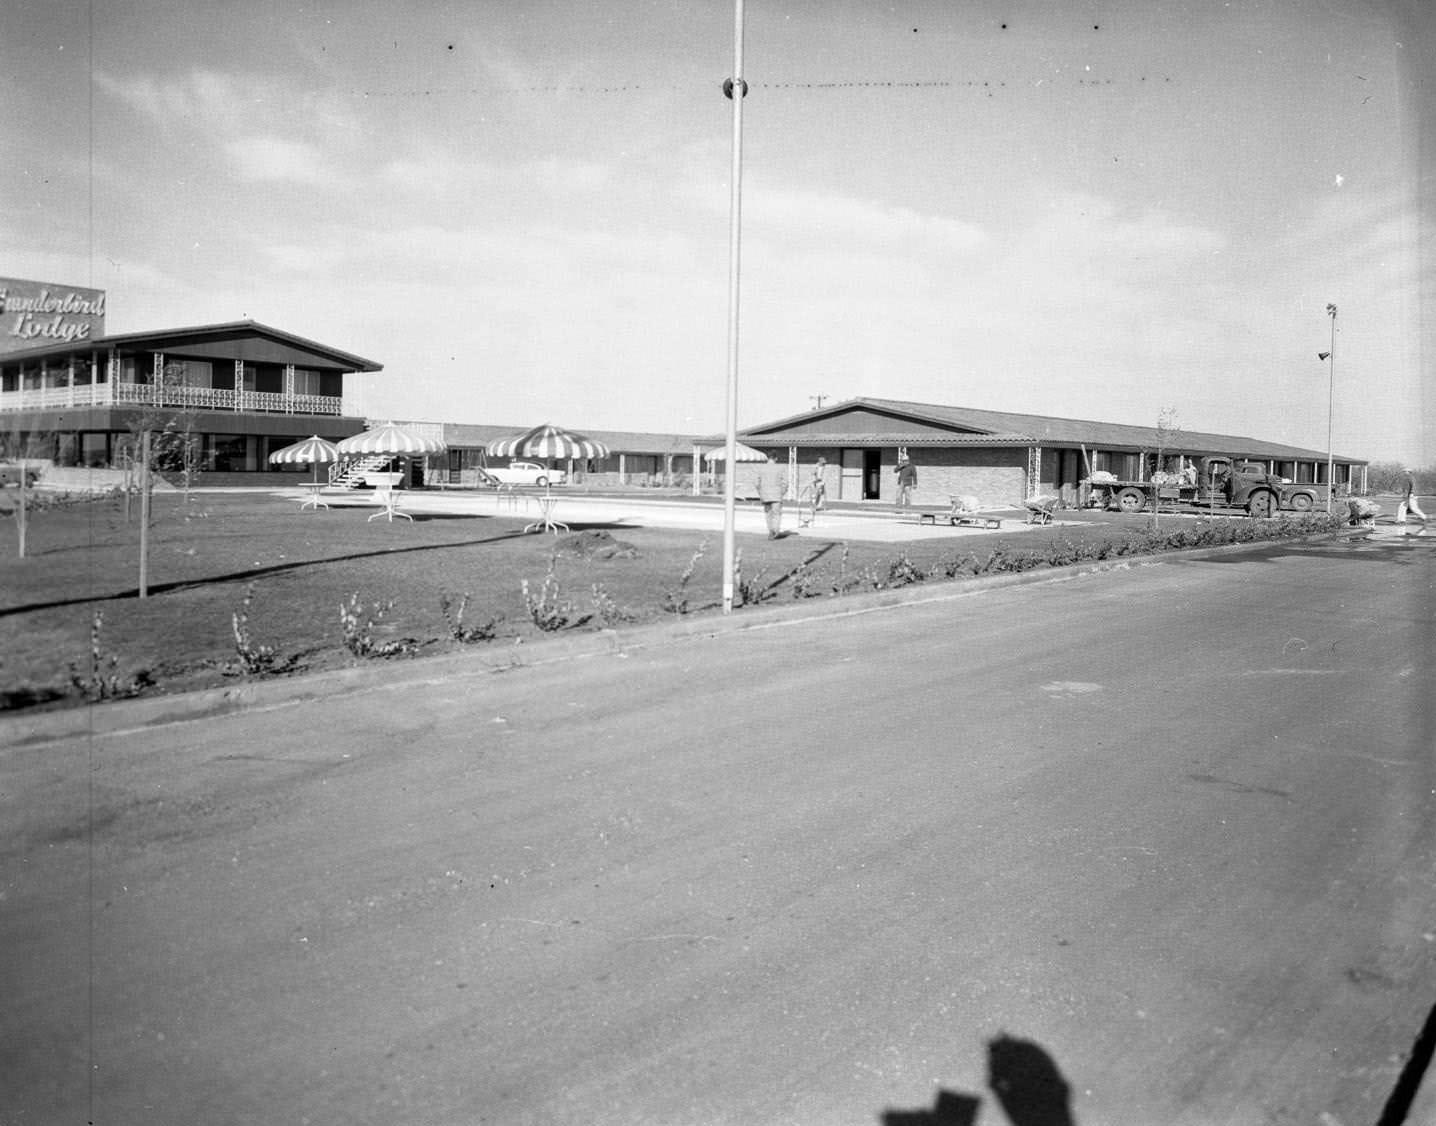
(173, 425)
(1168, 433)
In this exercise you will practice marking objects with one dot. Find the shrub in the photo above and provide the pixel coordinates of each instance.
(253, 659)
(606, 611)
(102, 679)
(454, 617)
(676, 602)
(547, 608)
(359, 628)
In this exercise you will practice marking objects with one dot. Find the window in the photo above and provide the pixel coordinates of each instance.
(307, 382)
(189, 373)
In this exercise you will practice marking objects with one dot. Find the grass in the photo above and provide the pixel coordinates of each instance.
(245, 584)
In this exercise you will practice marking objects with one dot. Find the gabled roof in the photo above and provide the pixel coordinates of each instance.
(200, 336)
(937, 424)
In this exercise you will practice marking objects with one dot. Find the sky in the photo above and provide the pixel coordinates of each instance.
(521, 208)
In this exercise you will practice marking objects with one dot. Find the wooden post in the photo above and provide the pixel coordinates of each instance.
(145, 514)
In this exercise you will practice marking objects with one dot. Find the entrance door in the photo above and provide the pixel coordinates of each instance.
(872, 474)
(850, 483)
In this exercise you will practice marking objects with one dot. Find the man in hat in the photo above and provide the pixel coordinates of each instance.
(772, 485)
(906, 482)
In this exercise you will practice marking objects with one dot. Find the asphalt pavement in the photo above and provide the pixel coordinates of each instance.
(1150, 845)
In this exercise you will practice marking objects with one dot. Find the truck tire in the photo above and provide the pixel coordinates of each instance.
(1302, 502)
(1131, 500)
(1262, 504)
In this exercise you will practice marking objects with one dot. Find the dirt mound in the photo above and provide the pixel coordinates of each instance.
(596, 544)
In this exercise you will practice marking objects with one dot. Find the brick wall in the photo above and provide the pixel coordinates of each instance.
(993, 476)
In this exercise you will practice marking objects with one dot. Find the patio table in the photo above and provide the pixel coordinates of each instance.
(313, 489)
(547, 523)
(386, 493)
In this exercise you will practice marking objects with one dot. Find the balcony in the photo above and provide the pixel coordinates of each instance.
(171, 398)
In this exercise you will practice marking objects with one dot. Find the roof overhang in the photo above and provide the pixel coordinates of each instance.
(230, 337)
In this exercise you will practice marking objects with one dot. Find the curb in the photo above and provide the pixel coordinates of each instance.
(121, 716)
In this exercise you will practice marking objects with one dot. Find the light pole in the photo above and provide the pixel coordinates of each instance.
(736, 89)
(1330, 358)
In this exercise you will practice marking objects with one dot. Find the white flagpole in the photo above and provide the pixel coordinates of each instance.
(736, 89)
(1330, 409)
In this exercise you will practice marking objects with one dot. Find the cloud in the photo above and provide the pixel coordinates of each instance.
(272, 120)
(829, 216)
(277, 158)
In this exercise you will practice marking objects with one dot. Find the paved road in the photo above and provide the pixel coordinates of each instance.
(1167, 830)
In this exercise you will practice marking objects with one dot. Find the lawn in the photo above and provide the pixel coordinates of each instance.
(291, 572)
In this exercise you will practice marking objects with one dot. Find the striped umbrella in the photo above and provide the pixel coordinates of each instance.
(392, 440)
(740, 453)
(547, 441)
(313, 450)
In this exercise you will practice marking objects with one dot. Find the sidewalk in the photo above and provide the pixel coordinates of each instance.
(874, 524)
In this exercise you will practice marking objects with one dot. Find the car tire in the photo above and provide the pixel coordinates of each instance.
(541, 482)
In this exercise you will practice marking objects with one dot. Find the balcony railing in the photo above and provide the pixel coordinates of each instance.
(176, 397)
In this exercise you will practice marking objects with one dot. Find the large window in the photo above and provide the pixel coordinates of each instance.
(189, 373)
(307, 382)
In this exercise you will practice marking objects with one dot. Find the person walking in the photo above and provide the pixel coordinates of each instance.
(820, 485)
(906, 482)
(1408, 502)
(772, 484)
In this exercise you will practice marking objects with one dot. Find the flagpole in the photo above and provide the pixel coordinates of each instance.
(1330, 409)
(736, 89)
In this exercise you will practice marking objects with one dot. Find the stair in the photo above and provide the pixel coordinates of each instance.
(350, 474)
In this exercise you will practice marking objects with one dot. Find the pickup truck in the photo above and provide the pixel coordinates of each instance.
(10, 473)
(1219, 483)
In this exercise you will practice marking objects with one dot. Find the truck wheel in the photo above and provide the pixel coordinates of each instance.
(1301, 502)
(1262, 505)
(1131, 500)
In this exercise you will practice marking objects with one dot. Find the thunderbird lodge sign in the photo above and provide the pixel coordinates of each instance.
(34, 314)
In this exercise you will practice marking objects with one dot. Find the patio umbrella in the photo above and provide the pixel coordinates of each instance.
(740, 453)
(313, 450)
(547, 441)
(392, 440)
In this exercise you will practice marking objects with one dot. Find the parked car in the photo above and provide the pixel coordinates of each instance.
(524, 473)
(10, 473)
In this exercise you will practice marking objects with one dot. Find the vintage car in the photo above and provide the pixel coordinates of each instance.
(523, 473)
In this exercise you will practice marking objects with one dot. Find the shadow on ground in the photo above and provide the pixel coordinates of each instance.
(1023, 1078)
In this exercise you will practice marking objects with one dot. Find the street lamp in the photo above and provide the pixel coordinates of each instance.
(1330, 357)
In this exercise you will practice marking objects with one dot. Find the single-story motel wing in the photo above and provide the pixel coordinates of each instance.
(1000, 457)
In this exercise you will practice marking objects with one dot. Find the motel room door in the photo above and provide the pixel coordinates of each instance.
(861, 475)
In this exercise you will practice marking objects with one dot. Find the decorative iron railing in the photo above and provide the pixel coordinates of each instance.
(177, 397)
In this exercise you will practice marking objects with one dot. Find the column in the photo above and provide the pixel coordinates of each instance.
(288, 388)
(157, 378)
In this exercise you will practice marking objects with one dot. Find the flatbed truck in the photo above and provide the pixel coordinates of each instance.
(1218, 483)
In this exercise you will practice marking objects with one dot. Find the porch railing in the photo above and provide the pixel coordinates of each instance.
(178, 397)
